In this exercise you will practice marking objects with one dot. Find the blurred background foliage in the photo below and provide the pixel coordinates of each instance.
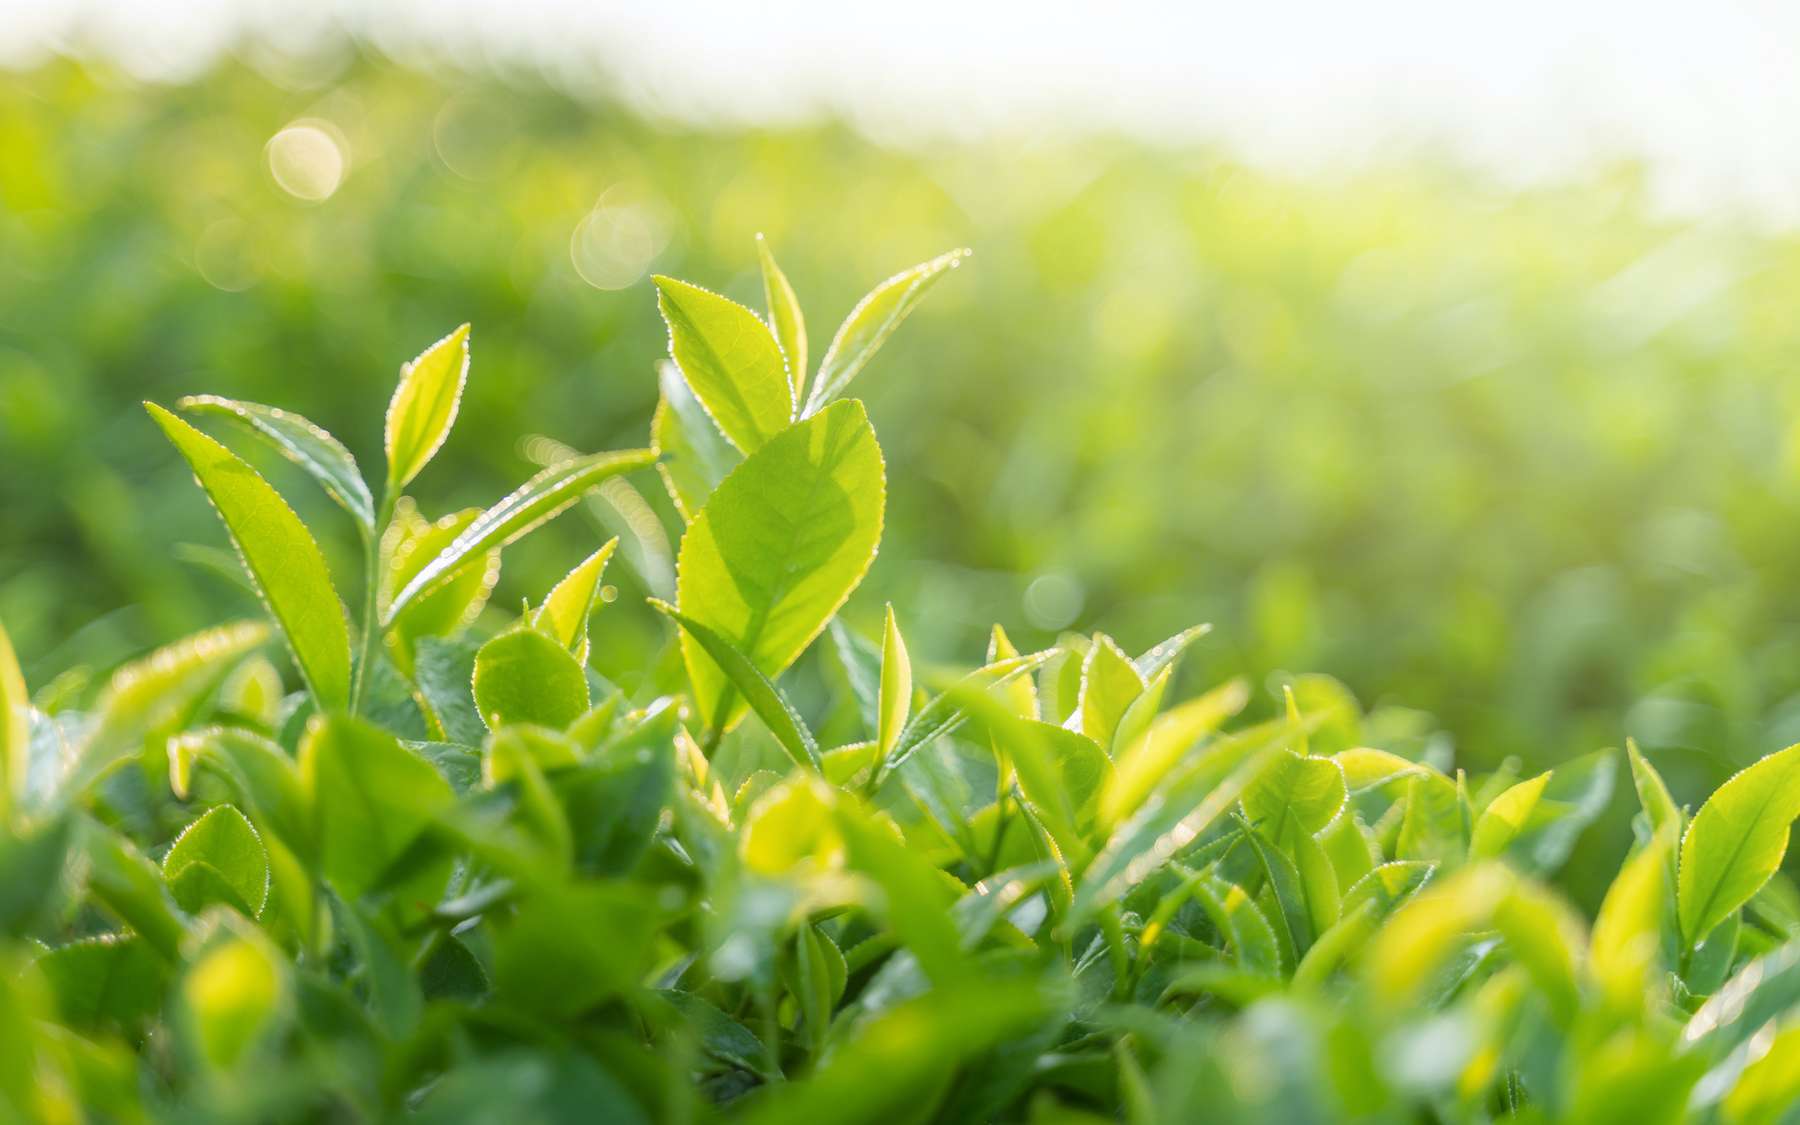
(1526, 460)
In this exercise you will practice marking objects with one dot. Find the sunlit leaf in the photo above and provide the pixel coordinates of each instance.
(731, 362)
(524, 676)
(424, 406)
(871, 322)
(309, 446)
(784, 317)
(1736, 841)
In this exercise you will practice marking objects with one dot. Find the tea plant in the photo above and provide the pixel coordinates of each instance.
(459, 877)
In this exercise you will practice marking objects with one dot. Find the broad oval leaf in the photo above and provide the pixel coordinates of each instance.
(780, 546)
(1736, 841)
(524, 676)
(731, 361)
(871, 322)
(283, 560)
(424, 405)
(307, 445)
(784, 317)
(218, 858)
(537, 501)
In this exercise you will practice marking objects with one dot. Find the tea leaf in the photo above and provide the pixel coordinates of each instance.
(1504, 818)
(370, 798)
(896, 686)
(730, 361)
(784, 317)
(424, 406)
(779, 547)
(524, 676)
(220, 852)
(757, 689)
(309, 446)
(1736, 841)
(692, 456)
(15, 728)
(536, 502)
(1653, 796)
(569, 605)
(870, 323)
(280, 555)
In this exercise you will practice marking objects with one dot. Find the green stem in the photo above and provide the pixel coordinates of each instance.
(371, 618)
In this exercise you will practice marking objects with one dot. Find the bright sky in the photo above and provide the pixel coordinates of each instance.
(1707, 94)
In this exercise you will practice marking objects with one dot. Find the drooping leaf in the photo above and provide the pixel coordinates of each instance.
(871, 322)
(280, 555)
(218, 858)
(731, 362)
(309, 446)
(1736, 841)
(784, 317)
(524, 676)
(424, 406)
(779, 547)
(534, 503)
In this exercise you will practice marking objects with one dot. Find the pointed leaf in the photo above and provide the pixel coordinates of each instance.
(1505, 817)
(309, 446)
(1736, 841)
(1653, 796)
(871, 322)
(730, 360)
(780, 546)
(15, 727)
(223, 844)
(424, 405)
(534, 503)
(371, 798)
(784, 317)
(283, 560)
(896, 686)
(1110, 683)
(770, 705)
(566, 609)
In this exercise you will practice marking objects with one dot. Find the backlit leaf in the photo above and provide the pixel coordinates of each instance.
(871, 322)
(731, 362)
(784, 317)
(309, 446)
(524, 676)
(1736, 841)
(424, 406)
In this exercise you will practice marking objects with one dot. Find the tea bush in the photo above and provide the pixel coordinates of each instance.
(466, 877)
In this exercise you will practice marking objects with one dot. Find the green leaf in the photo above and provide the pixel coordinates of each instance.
(1161, 657)
(534, 503)
(1736, 841)
(1295, 794)
(1505, 817)
(159, 690)
(1236, 916)
(15, 728)
(1388, 886)
(110, 982)
(129, 886)
(692, 456)
(1110, 683)
(1627, 938)
(914, 896)
(371, 798)
(524, 676)
(547, 959)
(283, 560)
(784, 317)
(566, 609)
(770, 705)
(408, 545)
(731, 361)
(871, 322)
(1653, 796)
(780, 546)
(896, 686)
(218, 858)
(261, 774)
(947, 712)
(1149, 758)
(424, 405)
(322, 456)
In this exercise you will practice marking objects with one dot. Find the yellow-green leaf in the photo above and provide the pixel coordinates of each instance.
(784, 317)
(524, 676)
(896, 686)
(779, 547)
(871, 322)
(15, 726)
(731, 362)
(1506, 816)
(424, 406)
(1736, 841)
(284, 562)
(566, 609)
(1627, 938)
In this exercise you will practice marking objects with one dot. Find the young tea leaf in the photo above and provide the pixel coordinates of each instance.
(784, 317)
(370, 796)
(758, 690)
(524, 676)
(283, 560)
(424, 405)
(566, 609)
(896, 686)
(1736, 841)
(15, 727)
(871, 322)
(218, 858)
(731, 362)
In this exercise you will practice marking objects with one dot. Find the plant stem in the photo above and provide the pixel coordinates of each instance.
(371, 618)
